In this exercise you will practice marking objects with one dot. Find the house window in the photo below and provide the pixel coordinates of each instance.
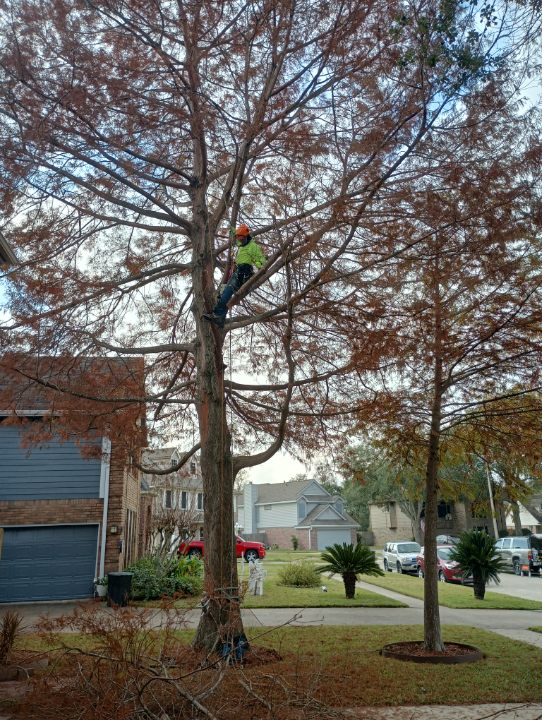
(192, 467)
(444, 510)
(168, 498)
(184, 500)
(301, 509)
(200, 501)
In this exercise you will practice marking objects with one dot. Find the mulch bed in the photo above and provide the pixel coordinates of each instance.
(453, 653)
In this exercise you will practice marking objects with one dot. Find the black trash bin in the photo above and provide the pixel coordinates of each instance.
(118, 588)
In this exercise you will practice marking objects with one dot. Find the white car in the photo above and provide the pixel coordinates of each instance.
(401, 556)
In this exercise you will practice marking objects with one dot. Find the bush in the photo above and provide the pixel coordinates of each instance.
(156, 576)
(295, 542)
(299, 574)
(9, 631)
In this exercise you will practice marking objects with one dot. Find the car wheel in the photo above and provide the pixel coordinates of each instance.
(517, 567)
(194, 552)
(399, 568)
(251, 555)
(441, 576)
(420, 572)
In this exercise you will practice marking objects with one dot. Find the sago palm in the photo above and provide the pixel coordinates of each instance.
(349, 561)
(476, 555)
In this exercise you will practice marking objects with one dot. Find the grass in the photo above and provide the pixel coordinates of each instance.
(537, 629)
(350, 658)
(284, 596)
(279, 596)
(291, 555)
(342, 666)
(453, 596)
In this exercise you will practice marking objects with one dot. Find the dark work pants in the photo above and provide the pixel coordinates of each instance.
(239, 276)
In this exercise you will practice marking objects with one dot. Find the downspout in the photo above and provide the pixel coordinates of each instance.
(104, 493)
(310, 543)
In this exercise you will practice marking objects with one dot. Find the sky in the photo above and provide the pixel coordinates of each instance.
(280, 468)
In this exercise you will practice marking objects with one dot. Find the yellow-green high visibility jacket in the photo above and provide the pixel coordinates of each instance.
(250, 254)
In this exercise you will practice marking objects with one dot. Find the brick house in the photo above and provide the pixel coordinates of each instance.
(274, 512)
(180, 491)
(69, 507)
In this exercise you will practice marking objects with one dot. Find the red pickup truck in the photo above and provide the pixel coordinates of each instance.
(250, 550)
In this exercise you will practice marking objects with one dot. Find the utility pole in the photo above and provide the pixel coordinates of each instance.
(492, 504)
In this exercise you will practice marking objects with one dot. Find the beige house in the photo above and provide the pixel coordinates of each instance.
(389, 523)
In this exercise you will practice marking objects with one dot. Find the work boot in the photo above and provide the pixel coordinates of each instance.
(217, 320)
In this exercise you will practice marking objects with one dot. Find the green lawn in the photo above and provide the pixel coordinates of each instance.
(370, 679)
(452, 596)
(537, 629)
(283, 596)
(291, 555)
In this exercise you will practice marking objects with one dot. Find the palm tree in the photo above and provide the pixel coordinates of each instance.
(476, 555)
(349, 561)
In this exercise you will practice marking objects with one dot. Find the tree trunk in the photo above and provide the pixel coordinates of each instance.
(432, 630)
(349, 580)
(221, 616)
(534, 510)
(515, 515)
(479, 586)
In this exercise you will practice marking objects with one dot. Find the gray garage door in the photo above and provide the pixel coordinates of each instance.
(48, 563)
(331, 537)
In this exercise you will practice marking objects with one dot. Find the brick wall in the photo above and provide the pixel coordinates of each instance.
(124, 494)
(50, 512)
(283, 537)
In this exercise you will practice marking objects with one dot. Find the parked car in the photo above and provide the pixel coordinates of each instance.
(401, 556)
(448, 571)
(521, 554)
(447, 539)
(250, 550)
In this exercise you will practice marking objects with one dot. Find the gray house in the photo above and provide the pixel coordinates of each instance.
(274, 512)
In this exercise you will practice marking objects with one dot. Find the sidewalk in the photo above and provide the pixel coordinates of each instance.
(510, 623)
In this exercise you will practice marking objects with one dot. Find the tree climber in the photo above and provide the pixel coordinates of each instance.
(248, 254)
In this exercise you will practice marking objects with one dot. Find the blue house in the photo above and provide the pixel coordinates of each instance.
(69, 510)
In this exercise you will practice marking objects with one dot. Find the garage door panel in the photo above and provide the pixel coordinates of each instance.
(48, 563)
(326, 538)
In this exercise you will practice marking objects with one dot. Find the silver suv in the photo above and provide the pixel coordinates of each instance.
(401, 556)
(522, 554)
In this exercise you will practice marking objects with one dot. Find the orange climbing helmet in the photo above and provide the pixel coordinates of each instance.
(242, 231)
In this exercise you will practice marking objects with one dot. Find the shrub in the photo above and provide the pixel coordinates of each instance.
(295, 542)
(9, 630)
(349, 561)
(299, 574)
(156, 576)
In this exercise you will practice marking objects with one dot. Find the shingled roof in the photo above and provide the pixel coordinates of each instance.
(37, 385)
(282, 492)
